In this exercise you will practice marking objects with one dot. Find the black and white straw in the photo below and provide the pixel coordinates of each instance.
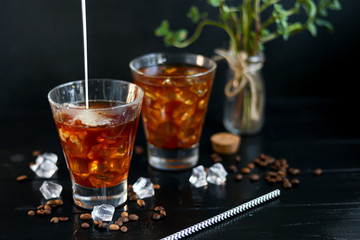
(223, 216)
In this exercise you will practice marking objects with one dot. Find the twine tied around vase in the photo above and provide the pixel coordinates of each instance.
(242, 75)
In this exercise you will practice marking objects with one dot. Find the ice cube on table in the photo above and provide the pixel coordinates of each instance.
(103, 212)
(46, 169)
(144, 188)
(50, 189)
(198, 177)
(45, 165)
(217, 174)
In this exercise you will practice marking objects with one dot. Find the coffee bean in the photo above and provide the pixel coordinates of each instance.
(139, 150)
(85, 225)
(232, 168)
(35, 153)
(156, 216)
(270, 160)
(294, 171)
(159, 208)
(54, 220)
(31, 213)
(59, 202)
(40, 207)
(124, 229)
(163, 213)
(52, 203)
(22, 178)
(63, 219)
(141, 203)
(134, 217)
(295, 182)
(114, 227)
(85, 216)
(133, 196)
(317, 172)
(40, 212)
(283, 161)
(125, 219)
(278, 178)
(245, 170)
(254, 177)
(238, 177)
(257, 161)
(270, 179)
(47, 211)
(156, 186)
(47, 207)
(286, 183)
(263, 164)
(251, 165)
(130, 188)
(124, 214)
(102, 225)
(271, 173)
(97, 222)
(237, 158)
(281, 173)
(119, 223)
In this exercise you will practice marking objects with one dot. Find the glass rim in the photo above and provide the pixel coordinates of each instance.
(52, 102)
(211, 69)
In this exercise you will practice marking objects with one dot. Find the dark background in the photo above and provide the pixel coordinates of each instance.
(41, 47)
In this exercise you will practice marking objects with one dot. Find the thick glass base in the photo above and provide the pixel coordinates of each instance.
(90, 197)
(173, 159)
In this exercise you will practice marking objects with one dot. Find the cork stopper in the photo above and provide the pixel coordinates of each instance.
(225, 143)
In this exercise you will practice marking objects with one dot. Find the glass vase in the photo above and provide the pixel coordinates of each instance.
(244, 106)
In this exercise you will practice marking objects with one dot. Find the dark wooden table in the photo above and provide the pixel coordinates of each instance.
(309, 133)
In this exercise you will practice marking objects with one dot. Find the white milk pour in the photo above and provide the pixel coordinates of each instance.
(83, 7)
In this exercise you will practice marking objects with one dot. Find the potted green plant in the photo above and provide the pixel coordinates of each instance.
(248, 31)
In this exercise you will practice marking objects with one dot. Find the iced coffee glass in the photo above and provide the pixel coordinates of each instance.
(177, 89)
(97, 138)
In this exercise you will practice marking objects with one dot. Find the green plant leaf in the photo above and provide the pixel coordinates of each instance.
(312, 28)
(163, 29)
(194, 14)
(323, 23)
(215, 3)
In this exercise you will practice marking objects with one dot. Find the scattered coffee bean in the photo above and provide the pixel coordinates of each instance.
(133, 196)
(163, 213)
(270, 179)
(59, 202)
(47, 211)
(40, 207)
(159, 208)
(124, 214)
(31, 213)
(52, 203)
(156, 216)
(119, 223)
(251, 165)
(139, 150)
(256, 161)
(278, 178)
(124, 229)
(22, 178)
(156, 186)
(286, 183)
(54, 220)
(245, 170)
(141, 203)
(294, 171)
(102, 225)
(97, 222)
(232, 168)
(35, 153)
(85, 225)
(134, 217)
(239, 177)
(85, 216)
(125, 219)
(271, 173)
(63, 219)
(281, 173)
(317, 172)
(40, 212)
(254, 177)
(295, 182)
(237, 158)
(114, 227)
(47, 207)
